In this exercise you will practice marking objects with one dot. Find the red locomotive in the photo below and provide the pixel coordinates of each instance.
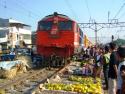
(58, 35)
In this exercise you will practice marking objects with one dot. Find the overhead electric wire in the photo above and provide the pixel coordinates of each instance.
(110, 8)
(121, 15)
(25, 9)
(71, 9)
(119, 10)
(37, 12)
(86, 2)
(14, 10)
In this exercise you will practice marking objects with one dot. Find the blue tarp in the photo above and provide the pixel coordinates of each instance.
(7, 57)
(7, 65)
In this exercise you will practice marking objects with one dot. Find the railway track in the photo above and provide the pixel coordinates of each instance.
(25, 83)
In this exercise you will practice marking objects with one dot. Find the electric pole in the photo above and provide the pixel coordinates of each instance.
(98, 26)
(96, 33)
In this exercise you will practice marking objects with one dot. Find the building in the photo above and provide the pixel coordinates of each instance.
(12, 32)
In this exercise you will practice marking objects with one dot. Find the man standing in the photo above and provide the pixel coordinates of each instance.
(106, 60)
(112, 74)
(121, 71)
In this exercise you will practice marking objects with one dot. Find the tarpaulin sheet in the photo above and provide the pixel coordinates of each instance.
(7, 65)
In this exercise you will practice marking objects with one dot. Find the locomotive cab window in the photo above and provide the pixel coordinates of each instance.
(45, 25)
(65, 25)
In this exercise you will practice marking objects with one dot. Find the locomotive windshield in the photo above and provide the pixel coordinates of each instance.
(45, 25)
(65, 25)
(62, 25)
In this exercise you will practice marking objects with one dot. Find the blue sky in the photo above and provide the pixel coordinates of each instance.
(31, 11)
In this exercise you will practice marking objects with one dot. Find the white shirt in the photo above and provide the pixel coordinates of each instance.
(12, 53)
(119, 78)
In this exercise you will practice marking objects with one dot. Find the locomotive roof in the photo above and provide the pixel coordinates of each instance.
(60, 15)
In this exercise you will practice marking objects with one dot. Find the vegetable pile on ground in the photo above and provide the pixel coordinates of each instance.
(83, 85)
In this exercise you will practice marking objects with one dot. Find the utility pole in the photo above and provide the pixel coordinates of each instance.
(96, 34)
(108, 15)
(112, 38)
(98, 26)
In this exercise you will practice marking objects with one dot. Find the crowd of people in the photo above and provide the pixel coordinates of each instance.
(109, 60)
